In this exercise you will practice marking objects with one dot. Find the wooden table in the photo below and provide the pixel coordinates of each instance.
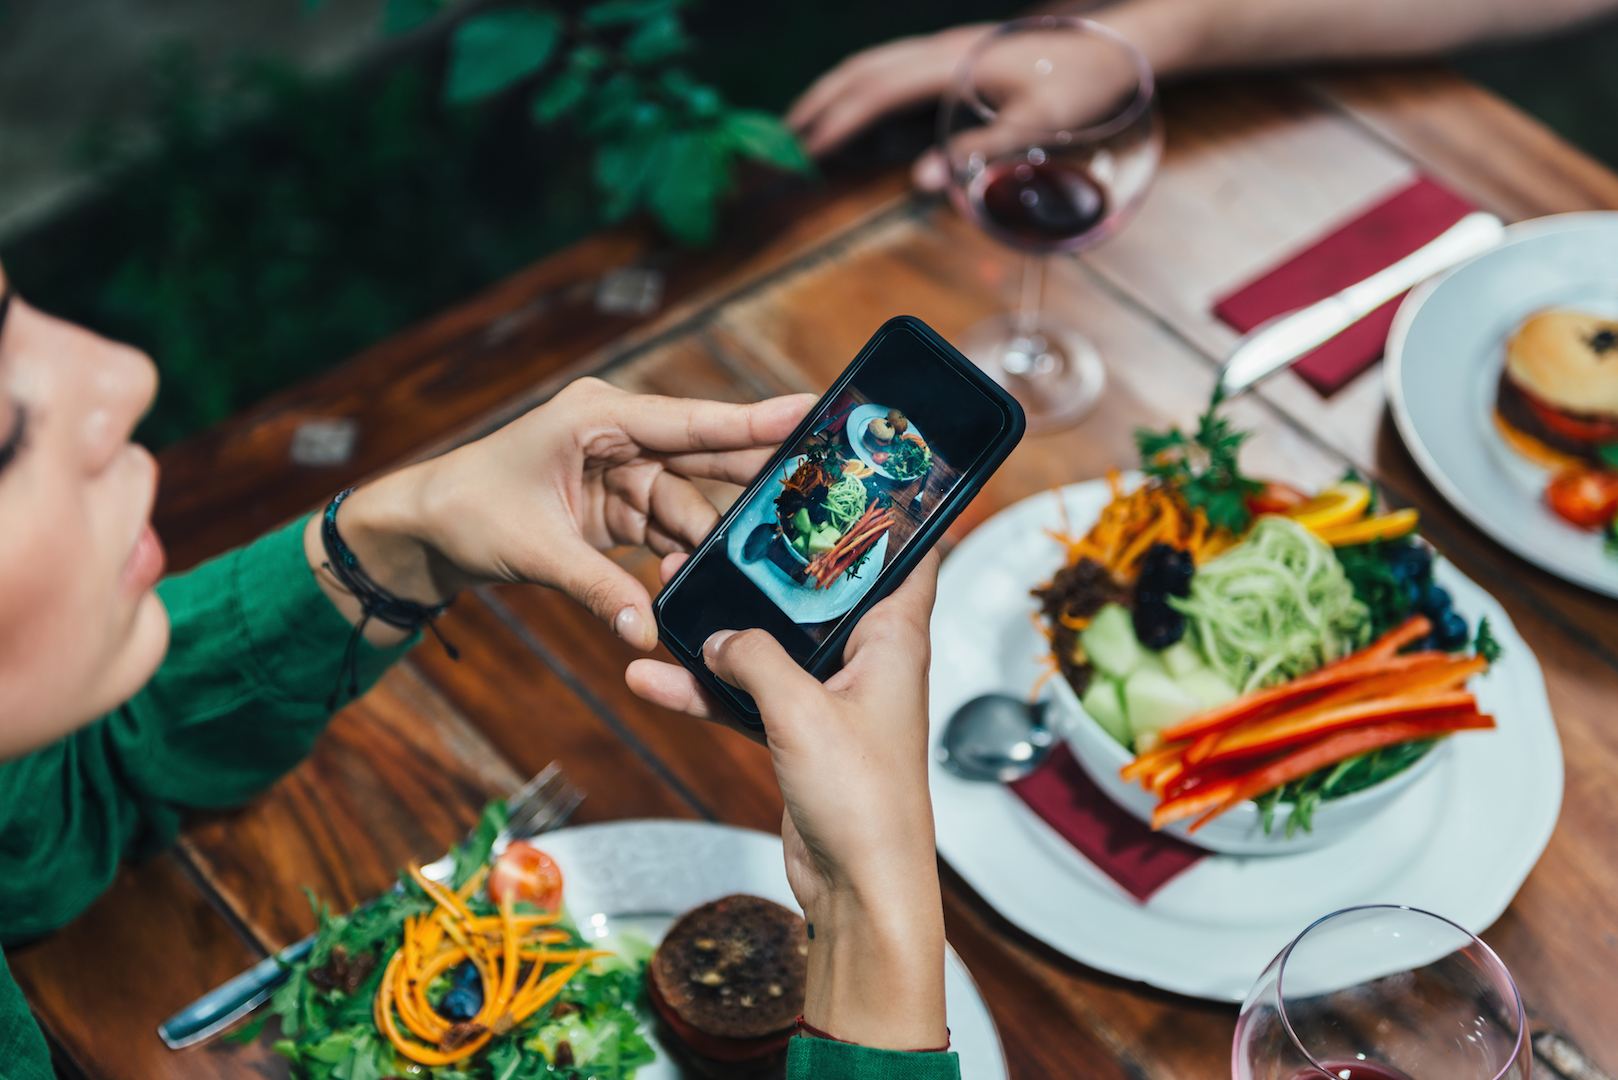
(1254, 166)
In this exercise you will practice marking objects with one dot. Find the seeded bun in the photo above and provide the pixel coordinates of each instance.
(729, 977)
(1568, 360)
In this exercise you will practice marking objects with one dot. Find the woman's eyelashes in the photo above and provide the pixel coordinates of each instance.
(17, 439)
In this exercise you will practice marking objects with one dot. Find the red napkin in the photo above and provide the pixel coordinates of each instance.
(1381, 235)
(1125, 849)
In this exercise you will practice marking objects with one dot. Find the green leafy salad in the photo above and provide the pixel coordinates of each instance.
(448, 982)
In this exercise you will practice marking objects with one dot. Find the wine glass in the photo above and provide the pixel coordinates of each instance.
(1051, 136)
(1383, 992)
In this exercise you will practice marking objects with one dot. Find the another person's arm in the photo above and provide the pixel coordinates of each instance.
(1178, 37)
(851, 759)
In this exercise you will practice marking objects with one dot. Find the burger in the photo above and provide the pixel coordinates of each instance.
(1558, 398)
(727, 984)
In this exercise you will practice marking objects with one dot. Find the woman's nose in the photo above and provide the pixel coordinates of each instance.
(122, 382)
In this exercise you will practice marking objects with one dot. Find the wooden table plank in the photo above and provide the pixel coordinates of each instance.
(102, 984)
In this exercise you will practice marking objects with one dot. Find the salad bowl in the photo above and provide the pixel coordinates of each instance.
(1240, 830)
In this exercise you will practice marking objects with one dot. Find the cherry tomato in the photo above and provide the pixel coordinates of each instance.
(1587, 498)
(1580, 429)
(1275, 498)
(526, 875)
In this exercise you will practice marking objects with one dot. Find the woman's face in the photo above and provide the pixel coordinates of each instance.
(80, 627)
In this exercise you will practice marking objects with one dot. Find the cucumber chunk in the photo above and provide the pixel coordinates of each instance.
(1153, 702)
(1110, 643)
(1181, 659)
(1207, 687)
(1105, 704)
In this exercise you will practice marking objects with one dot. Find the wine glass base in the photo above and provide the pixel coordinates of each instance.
(1055, 372)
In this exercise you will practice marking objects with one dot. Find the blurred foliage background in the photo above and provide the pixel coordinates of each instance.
(259, 223)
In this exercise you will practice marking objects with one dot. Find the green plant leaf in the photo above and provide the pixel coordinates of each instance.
(402, 16)
(560, 96)
(621, 170)
(763, 137)
(490, 52)
(1609, 455)
(625, 12)
(683, 193)
(658, 38)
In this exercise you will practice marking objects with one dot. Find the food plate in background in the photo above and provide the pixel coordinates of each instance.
(1451, 844)
(858, 421)
(634, 878)
(1444, 359)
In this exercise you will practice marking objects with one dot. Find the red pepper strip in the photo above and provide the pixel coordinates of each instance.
(1202, 746)
(1411, 630)
(1193, 802)
(1449, 675)
(1152, 761)
(1297, 727)
(1335, 748)
(1349, 669)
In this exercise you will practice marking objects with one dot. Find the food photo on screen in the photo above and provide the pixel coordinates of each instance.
(844, 503)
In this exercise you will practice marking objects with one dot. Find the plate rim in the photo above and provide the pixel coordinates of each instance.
(1132, 964)
(1393, 367)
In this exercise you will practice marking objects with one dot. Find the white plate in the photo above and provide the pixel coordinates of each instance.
(1444, 358)
(858, 421)
(1459, 843)
(800, 600)
(636, 877)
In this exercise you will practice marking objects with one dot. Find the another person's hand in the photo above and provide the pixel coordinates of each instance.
(542, 499)
(851, 759)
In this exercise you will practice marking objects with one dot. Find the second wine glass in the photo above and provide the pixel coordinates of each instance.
(1051, 135)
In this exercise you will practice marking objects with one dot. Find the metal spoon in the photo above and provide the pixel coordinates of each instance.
(995, 737)
(758, 542)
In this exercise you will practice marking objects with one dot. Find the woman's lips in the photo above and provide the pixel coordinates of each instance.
(145, 565)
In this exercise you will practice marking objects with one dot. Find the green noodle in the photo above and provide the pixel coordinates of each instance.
(845, 502)
(1274, 607)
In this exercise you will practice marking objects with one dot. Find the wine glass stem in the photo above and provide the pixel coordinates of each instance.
(1028, 344)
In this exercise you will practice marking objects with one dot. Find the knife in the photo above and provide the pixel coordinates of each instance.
(1279, 342)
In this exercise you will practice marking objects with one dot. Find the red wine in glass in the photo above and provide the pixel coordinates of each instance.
(1354, 1070)
(1040, 205)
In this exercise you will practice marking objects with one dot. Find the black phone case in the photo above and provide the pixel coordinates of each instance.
(828, 657)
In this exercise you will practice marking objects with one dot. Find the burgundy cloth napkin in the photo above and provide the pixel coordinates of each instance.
(1125, 849)
(1383, 234)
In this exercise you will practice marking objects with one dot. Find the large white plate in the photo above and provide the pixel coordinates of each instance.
(1443, 362)
(1459, 843)
(636, 877)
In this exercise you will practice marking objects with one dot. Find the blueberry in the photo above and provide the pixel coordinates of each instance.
(1452, 632)
(465, 974)
(1435, 602)
(461, 1003)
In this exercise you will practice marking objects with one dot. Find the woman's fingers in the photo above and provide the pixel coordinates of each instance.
(731, 466)
(667, 685)
(896, 632)
(668, 425)
(753, 661)
(613, 594)
(671, 565)
(680, 510)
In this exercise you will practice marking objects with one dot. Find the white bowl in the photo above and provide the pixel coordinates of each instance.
(1240, 830)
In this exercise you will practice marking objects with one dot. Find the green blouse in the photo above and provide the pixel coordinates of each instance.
(240, 699)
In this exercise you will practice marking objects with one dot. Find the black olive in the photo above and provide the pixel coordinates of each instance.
(1167, 570)
(1157, 625)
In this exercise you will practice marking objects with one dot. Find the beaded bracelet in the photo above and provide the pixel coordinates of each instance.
(375, 601)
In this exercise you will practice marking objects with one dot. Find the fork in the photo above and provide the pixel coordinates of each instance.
(543, 803)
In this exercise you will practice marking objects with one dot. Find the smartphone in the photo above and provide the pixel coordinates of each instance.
(898, 446)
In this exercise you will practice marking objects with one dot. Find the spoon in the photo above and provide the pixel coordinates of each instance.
(995, 737)
(758, 542)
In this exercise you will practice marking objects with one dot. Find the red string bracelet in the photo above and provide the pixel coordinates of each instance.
(806, 1028)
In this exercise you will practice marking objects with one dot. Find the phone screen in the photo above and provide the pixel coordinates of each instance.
(880, 457)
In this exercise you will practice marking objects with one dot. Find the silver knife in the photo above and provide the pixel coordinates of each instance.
(1278, 342)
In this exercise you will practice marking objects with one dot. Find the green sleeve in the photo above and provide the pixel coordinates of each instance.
(823, 1059)
(255, 653)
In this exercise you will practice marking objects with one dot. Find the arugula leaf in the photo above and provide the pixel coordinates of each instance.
(1203, 466)
(1484, 643)
(475, 851)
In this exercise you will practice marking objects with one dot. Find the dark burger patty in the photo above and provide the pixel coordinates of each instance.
(1512, 403)
(734, 968)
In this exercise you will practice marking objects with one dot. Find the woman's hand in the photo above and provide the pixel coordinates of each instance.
(851, 759)
(542, 498)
